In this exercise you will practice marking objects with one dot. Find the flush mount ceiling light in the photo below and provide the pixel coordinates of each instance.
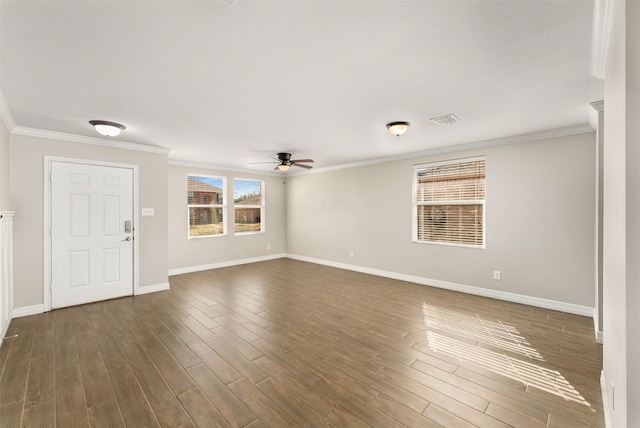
(106, 128)
(398, 128)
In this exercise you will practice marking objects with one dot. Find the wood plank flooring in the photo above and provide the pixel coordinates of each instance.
(286, 343)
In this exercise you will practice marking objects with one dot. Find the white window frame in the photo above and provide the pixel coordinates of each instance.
(225, 217)
(416, 204)
(263, 223)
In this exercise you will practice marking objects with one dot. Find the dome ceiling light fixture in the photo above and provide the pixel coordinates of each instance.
(106, 128)
(398, 128)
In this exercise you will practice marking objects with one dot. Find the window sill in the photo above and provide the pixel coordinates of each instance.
(449, 244)
(248, 233)
(207, 236)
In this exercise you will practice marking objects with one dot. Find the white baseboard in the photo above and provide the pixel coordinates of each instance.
(494, 294)
(596, 317)
(599, 337)
(25, 311)
(152, 288)
(191, 269)
(605, 400)
(3, 333)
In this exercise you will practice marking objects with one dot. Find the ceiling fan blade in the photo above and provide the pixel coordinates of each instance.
(255, 163)
(302, 165)
(276, 168)
(302, 160)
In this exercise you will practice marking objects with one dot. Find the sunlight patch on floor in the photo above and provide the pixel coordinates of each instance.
(501, 336)
(497, 333)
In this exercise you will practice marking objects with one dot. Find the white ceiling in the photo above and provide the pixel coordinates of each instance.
(228, 82)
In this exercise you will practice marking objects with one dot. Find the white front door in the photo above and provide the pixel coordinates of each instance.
(91, 233)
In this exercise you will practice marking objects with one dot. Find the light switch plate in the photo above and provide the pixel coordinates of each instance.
(147, 211)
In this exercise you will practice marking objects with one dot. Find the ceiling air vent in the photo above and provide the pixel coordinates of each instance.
(447, 119)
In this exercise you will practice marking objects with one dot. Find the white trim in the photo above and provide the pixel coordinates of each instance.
(523, 138)
(152, 288)
(449, 162)
(219, 235)
(263, 207)
(414, 219)
(599, 335)
(223, 206)
(598, 105)
(25, 311)
(602, 26)
(176, 162)
(5, 329)
(6, 271)
(605, 400)
(5, 115)
(478, 291)
(63, 136)
(190, 269)
(47, 221)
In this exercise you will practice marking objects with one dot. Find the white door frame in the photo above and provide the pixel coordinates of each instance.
(47, 220)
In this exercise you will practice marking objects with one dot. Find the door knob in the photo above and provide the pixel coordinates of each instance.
(128, 238)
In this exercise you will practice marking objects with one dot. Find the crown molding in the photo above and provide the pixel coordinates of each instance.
(74, 138)
(5, 113)
(176, 162)
(596, 113)
(598, 106)
(523, 138)
(602, 25)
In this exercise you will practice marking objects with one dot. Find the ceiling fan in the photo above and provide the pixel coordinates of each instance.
(285, 162)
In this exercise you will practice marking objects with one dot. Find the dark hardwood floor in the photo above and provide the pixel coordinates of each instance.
(286, 343)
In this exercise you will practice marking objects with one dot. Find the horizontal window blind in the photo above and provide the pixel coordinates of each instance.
(449, 202)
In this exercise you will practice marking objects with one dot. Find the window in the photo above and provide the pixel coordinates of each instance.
(449, 202)
(248, 198)
(205, 200)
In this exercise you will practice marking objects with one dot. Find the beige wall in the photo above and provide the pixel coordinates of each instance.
(4, 168)
(191, 253)
(27, 165)
(621, 296)
(539, 227)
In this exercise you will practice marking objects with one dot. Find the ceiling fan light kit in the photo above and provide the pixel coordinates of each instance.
(285, 162)
(398, 128)
(106, 128)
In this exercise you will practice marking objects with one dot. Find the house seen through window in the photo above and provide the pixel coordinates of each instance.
(206, 205)
(248, 199)
(449, 202)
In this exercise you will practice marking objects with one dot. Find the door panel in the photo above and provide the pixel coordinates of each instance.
(78, 269)
(111, 265)
(91, 257)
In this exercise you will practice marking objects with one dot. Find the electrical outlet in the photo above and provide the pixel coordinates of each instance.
(496, 275)
(351, 254)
